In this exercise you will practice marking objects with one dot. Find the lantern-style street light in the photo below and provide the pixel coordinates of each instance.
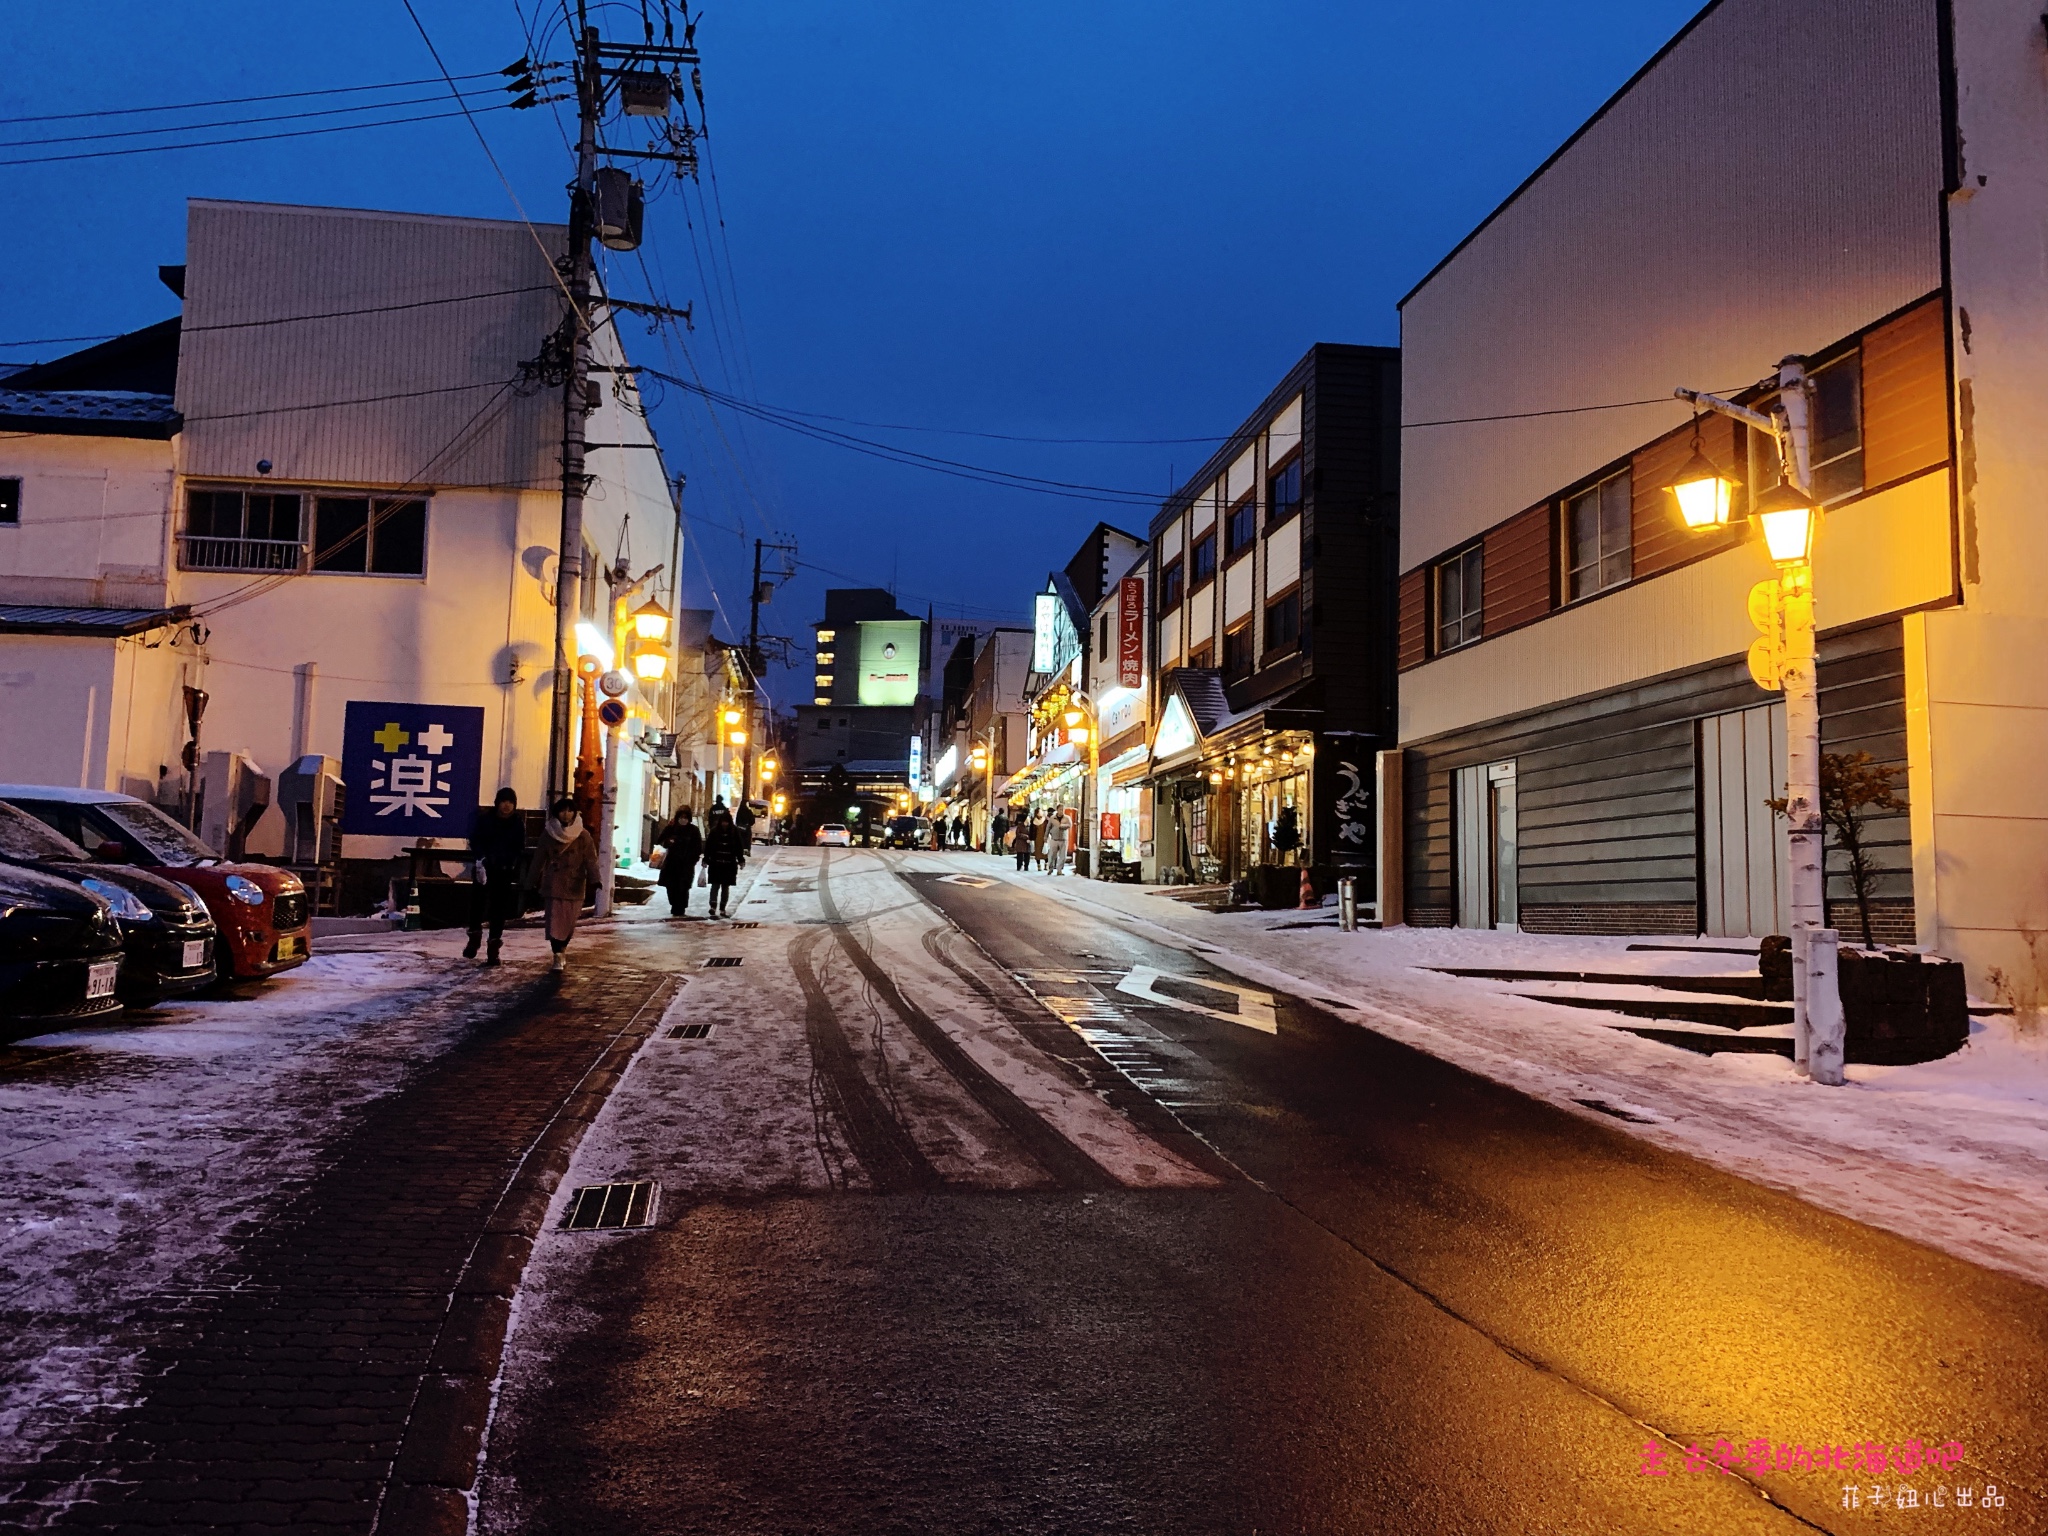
(1785, 658)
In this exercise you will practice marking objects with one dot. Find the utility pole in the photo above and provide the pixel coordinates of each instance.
(648, 79)
(575, 406)
(756, 595)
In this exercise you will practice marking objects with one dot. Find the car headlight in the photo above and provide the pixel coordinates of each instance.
(124, 901)
(245, 890)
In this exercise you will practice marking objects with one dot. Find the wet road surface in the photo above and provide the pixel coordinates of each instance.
(980, 1215)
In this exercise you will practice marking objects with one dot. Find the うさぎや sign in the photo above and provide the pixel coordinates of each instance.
(412, 770)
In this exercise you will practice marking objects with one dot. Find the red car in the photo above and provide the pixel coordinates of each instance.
(261, 911)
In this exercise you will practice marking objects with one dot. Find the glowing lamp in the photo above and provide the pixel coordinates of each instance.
(1705, 495)
(1078, 735)
(732, 717)
(1073, 717)
(737, 738)
(650, 666)
(1788, 522)
(650, 621)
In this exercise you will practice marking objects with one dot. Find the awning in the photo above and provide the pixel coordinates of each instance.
(106, 623)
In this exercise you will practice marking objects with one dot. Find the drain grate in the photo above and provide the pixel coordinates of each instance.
(690, 1032)
(608, 1207)
(719, 962)
(743, 925)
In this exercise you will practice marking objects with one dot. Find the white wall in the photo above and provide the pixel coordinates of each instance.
(1977, 704)
(92, 529)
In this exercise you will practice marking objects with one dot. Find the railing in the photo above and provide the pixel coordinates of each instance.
(204, 553)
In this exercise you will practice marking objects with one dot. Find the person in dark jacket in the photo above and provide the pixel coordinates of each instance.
(498, 840)
(723, 845)
(683, 846)
(743, 823)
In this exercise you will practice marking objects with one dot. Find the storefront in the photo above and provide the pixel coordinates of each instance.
(1255, 796)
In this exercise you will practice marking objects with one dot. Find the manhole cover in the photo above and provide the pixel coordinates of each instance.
(719, 962)
(746, 925)
(605, 1207)
(690, 1032)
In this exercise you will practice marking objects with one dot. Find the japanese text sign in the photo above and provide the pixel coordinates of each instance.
(1130, 633)
(412, 770)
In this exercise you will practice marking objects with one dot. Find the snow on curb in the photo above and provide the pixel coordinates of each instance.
(1952, 1153)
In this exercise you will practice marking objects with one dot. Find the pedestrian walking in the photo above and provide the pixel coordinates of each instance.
(497, 838)
(1040, 827)
(743, 822)
(1020, 844)
(1056, 844)
(568, 869)
(999, 831)
(721, 860)
(683, 845)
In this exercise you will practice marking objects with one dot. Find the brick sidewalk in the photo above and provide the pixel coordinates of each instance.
(336, 1376)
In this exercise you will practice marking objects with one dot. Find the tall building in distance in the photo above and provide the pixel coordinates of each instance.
(870, 661)
(868, 652)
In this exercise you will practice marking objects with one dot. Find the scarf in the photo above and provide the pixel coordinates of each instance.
(563, 831)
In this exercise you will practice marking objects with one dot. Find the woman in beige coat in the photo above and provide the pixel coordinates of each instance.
(567, 870)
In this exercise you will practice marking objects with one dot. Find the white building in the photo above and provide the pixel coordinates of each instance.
(345, 487)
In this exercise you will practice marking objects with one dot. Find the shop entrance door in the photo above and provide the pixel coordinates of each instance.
(1486, 847)
(1745, 863)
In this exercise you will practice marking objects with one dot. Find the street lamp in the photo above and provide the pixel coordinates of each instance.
(1080, 720)
(650, 621)
(1785, 658)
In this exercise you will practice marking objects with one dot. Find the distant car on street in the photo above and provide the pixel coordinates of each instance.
(60, 952)
(167, 934)
(908, 832)
(261, 912)
(833, 836)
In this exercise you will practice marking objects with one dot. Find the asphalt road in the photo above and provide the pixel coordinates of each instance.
(979, 1215)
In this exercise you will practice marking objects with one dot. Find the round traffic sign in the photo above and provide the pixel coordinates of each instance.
(612, 712)
(614, 682)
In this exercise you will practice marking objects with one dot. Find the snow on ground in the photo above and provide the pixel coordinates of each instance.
(130, 1150)
(1953, 1153)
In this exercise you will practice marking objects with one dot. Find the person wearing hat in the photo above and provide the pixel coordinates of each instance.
(497, 839)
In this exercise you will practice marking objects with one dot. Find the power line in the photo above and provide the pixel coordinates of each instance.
(238, 101)
(51, 341)
(251, 138)
(230, 122)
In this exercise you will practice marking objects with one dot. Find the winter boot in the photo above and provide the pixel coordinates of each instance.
(558, 964)
(491, 954)
(476, 938)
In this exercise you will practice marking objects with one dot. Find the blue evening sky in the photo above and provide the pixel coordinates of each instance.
(1117, 220)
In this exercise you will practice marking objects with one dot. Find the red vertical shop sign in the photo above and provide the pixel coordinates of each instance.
(1130, 632)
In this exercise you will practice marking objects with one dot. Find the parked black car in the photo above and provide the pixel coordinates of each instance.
(60, 952)
(167, 933)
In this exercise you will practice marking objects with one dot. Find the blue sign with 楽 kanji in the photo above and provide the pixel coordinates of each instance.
(412, 770)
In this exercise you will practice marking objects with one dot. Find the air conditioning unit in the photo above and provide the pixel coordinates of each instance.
(311, 796)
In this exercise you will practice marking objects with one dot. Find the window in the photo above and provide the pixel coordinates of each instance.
(10, 501)
(1838, 429)
(1203, 656)
(1237, 651)
(1596, 538)
(232, 530)
(1283, 623)
(1102, 637)
(1242, 526)
(1203, 560)
(1169, 586)
(376, 536)
(1459, 590)
(1283, 491)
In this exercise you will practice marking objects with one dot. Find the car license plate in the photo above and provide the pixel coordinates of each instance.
(194, 956)
(99, 979)
(291, 947)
